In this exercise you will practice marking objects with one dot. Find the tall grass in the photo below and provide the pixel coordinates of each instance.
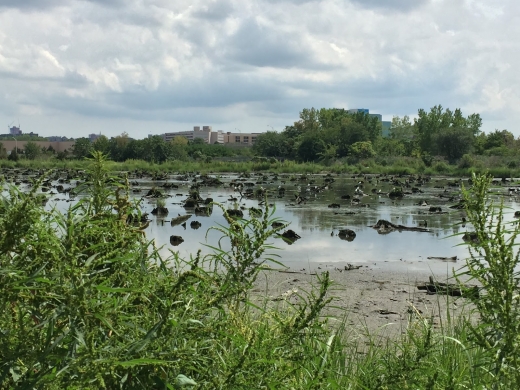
(87, 302)
(498, 167)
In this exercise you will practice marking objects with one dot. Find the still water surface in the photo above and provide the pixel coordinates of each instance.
(318, 225)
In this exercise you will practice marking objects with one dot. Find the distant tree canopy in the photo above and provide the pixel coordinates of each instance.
(320, 134)
(152, 149)
(31, 150)
(330, 133)
(22, 137)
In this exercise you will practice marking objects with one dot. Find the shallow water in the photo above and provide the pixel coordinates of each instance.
(314, 221)
(318, 225)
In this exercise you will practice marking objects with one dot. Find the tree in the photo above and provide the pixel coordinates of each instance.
(499, 138)
(82, 148)
(350, 132)
(271, 144)
(157, 150)
(454, 142)
(31, 150)
(311, 148)
(198, 141)
(13, 156)
(118, 147)
(101, 144)
(360, 150)
(181, 141)
(429, 125)
(404, 132)
(62, 155)
(3, 151)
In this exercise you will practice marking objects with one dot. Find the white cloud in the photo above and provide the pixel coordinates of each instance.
(159, 65)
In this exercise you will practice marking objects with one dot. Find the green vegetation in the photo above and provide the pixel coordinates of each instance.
(22, 137)
(87, 302)
(439, 136)
(440, 141)
(153, 149)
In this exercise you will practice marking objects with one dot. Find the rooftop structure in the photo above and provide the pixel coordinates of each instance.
(15, 130)
(214, 137)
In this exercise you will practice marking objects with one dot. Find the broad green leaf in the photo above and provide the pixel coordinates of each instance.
(183, 380)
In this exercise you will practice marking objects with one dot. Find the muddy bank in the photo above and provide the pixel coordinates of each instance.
(379, 301)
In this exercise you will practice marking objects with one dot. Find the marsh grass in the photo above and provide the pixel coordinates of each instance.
(393, 165)
(87, 302)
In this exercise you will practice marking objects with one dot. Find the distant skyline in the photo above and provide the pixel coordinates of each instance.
(75, 67)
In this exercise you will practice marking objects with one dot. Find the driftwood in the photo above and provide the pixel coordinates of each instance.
(455, 290)
(384, 226)
(180, 219)
(452, 258)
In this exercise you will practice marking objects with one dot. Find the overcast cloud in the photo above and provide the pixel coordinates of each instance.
(72, 67)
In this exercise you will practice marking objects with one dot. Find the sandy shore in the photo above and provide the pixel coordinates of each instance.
(378, 300)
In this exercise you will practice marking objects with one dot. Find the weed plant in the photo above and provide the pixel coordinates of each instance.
(86, 302)
(494, 263)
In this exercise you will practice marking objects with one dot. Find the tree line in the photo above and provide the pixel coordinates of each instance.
(121, 148)
(331, 133)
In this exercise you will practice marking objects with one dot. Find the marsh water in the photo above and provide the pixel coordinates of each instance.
(318, 224)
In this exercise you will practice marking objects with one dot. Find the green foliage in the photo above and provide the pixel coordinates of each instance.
(82, 148)
(22, 137)
(454, 142)
(494, 263)
(3, 151)
(435, 126)
(360, 150)
(101, 144)
(87, 303)
(271, 144)
(31, 150)
(311, 148)
(13, 156)
(466, 161)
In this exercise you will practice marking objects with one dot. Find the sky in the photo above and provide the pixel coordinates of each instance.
(74, 67)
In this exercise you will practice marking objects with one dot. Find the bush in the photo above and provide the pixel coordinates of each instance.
(441, 167)
(467, 161)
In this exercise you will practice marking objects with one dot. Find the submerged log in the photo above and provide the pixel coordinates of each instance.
(180, 219)
(452, 258)
(384, 226)
(455, 290)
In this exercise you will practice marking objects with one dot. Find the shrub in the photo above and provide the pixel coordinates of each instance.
(466, 161)
(441, 167)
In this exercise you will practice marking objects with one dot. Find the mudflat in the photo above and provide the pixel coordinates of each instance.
(380, 301)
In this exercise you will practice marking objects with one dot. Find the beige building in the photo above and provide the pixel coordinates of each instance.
(212, 137)
(205, 133)
(243, 139)
(58, 146)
